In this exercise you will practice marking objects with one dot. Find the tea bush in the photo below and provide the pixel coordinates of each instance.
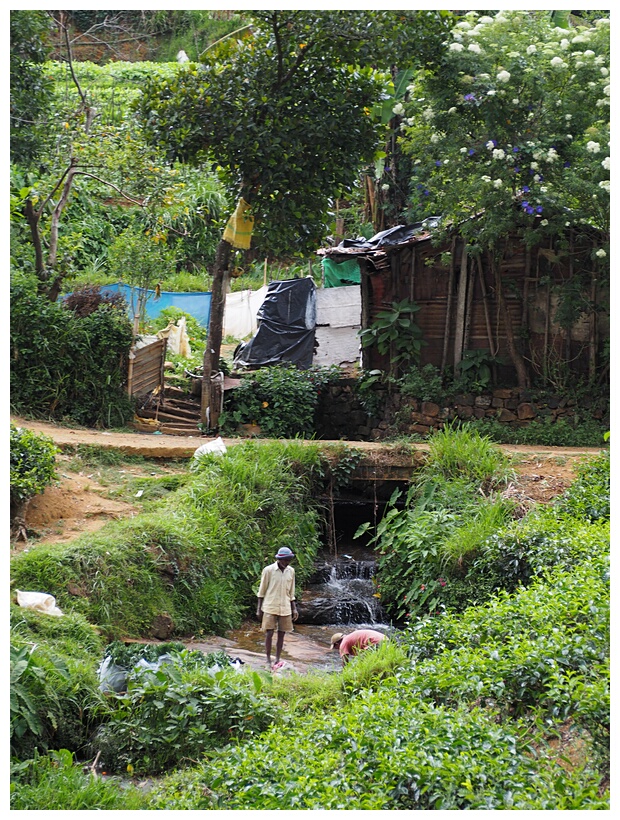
(33, 463)
(588, 497)
(585, 431)
(544, 648)
(514, 555)
(384, 750)
(173, 715)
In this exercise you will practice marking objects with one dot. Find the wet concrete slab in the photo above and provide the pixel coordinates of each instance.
(305, 649)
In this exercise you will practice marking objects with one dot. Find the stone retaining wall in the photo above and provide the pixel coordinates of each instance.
(341, 414)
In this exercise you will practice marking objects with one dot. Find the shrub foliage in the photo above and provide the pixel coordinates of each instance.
(64, 365)
(33, 463)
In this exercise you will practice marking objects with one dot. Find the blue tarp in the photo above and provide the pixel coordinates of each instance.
(197, 305)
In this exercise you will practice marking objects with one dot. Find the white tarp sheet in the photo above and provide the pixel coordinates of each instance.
(240, 312)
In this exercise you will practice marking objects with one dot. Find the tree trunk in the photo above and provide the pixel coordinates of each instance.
(32, 219)
(485, 305)
(18, 520)
(523, 379)
(209, 406)
(471, 280)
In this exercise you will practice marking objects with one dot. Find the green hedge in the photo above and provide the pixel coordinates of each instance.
(63, 366)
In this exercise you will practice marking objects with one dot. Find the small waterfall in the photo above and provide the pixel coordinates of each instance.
(341, 591)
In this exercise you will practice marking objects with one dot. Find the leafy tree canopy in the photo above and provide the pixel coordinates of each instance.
(513, 127)
(30, 88)
(285, 115)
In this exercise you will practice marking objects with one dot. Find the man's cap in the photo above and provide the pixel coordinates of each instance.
(338, 636)
(285, 552)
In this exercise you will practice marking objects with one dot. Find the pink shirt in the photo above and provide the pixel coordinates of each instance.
(358, 640)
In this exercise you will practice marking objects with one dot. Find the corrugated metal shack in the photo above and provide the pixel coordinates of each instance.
(461, 309)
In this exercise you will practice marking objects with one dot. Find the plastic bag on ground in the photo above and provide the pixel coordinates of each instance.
(39, 601)
(112, 678)
(216, 446)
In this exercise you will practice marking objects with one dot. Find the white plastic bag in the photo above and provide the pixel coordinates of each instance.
(216, 446)
(112, 678)
(40, 601)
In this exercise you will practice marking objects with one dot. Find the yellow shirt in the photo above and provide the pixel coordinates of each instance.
(277, 589)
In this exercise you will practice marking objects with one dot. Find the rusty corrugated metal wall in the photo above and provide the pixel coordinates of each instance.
(146, 368)
(417, 272)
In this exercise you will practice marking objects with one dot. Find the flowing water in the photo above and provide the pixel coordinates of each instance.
(339, 597)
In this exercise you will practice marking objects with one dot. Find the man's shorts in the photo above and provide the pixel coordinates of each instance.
(282, 623)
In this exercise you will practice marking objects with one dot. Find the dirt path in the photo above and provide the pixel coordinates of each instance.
(83, 501)
(155, 445)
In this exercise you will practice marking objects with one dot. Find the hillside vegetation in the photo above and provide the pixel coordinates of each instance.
(471, 706)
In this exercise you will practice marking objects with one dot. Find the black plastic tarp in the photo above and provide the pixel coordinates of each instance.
(391, 237)
(286, 324)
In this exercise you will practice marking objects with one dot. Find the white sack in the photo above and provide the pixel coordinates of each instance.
(40, 601)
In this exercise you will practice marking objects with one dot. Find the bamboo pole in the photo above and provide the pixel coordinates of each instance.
(468, 309)
(446, 332)
(593, 333)
(485, 305)
(459, 325)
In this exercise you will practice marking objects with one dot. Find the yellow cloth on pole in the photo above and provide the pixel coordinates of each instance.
(239, 228)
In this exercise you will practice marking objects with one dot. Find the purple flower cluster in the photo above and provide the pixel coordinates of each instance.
(529, 209)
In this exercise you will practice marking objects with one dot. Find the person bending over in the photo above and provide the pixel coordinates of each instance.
(355, 642)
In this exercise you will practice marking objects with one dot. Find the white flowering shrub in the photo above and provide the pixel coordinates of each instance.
(520, 131)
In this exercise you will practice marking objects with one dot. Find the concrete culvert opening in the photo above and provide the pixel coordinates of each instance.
(342, 589)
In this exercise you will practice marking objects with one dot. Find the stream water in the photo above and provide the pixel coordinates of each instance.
(339, 597)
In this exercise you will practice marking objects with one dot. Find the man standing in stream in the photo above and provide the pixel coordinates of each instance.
(276, 603)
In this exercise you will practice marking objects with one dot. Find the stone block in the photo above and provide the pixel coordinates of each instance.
(479, 412)
(466, 399)
(497, 402)
(507, 415)
(525, 411)
(482, 401)
(502, 393)
(429, 408)
(464, 412)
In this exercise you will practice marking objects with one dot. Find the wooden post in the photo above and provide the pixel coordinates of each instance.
(485, 305)
(515, 355)
(446, 330)
(459, 328)
(265, 273)
(593, 333)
